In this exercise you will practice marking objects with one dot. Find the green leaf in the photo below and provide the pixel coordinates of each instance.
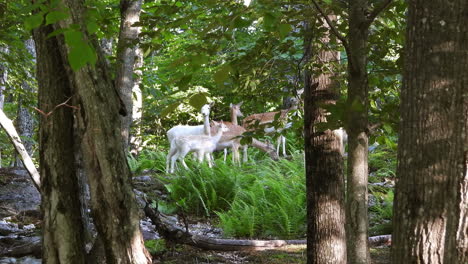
(57, 32)
(222, 74)
(184, 82)
(170, 109)
(198, 100)
(92, 27)
(34, 21)
(81, 52)
(269, 21)
(55, 16)
(73, 38)
(284, 30)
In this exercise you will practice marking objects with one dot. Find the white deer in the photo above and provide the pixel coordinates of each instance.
(253, 122)
(203, 145)
(185, 130)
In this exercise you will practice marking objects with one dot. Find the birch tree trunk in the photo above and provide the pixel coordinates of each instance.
(24, 120)
(126, 58)
(430, 224)
(3, 80)
(326, 238)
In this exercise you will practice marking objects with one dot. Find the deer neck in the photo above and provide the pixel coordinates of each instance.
(218, 134)
(234, 117)
(206, 125)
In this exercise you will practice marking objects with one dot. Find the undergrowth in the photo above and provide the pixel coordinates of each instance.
(260, 198)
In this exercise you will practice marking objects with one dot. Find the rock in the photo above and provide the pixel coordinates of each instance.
(25, 260)
(18, 193)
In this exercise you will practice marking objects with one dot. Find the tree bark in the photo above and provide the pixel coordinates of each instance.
(357, 226)
(62, 227)
(24, 120)
(97, 105)
(430, 197)
(136, 141)
(126, 58)
(326, 239)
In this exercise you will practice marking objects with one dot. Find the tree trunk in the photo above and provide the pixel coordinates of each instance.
(9, 128)
(3, 80)
(97, 105)
(326, 239)
(62, 227)
(136, 140)
(126, 57)
(357, 232)
(430, 202)
(24, 120)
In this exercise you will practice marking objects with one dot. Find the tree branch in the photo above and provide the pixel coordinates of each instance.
(377, 10)
(333, 29)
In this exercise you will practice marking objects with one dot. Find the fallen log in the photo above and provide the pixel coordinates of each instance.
(383, 240)
(172, 232)
(20, 247)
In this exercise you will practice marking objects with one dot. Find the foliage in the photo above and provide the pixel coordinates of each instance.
(382, 212)
(382, 163)
(156, 246)
(272, 206)
(257, 199)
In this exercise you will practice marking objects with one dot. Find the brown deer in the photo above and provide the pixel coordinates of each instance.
(262, 120)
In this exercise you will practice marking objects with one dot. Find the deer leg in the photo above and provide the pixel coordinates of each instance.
(283, 142)
(225, 154)
(172, 152)
(210, 161)
(235, 154)
(278, 143)
(244, 155)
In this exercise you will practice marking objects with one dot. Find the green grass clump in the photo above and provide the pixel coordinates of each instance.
(274, 205)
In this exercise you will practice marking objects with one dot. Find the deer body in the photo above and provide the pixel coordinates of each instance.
(231, 139)
(203, 145)
(252, 121)
(185, 130)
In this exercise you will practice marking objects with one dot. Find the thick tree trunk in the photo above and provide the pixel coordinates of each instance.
(326, 239)
(430, 202)
(62, 227)
(97, 105)
(126, 57)
(24, 120)
(113, 203)
(358, 141)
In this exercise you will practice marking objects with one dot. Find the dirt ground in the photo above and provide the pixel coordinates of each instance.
(287, 255)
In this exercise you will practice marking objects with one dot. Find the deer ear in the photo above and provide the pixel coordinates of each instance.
(211, 104)
(239, 104)
(215, 123)
(230, 105)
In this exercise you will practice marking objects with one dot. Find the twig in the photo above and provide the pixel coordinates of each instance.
(57, 106)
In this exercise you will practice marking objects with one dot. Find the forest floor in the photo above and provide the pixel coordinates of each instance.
(287, 255)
